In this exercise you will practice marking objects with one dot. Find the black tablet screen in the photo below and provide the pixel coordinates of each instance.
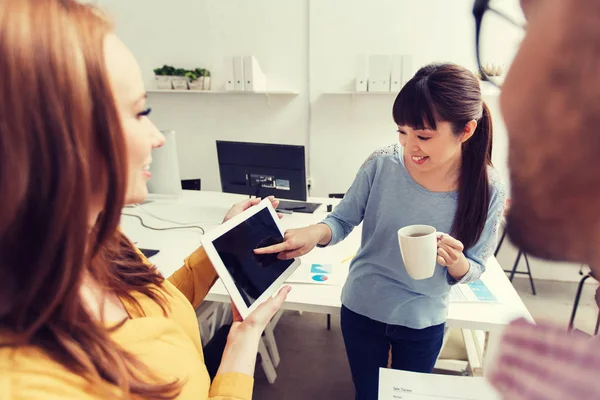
(252, 273)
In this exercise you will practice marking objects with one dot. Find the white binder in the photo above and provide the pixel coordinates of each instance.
(396, 78)
(254, 78)
(379, 73)
(238, 73)
(407, 68)
(362, 73)
(229, 74)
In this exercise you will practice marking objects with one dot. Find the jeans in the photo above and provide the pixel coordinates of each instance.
(368, 343)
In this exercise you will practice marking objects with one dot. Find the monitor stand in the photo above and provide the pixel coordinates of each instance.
(148, 252)
(298, 206)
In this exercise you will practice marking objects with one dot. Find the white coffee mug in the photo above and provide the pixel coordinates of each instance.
(418, 245)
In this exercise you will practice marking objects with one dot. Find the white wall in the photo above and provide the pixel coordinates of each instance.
(308, 46)
(201, 33)
(346, 129)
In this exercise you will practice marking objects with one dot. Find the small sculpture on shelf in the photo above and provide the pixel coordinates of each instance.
(168, 78)
(490, 70)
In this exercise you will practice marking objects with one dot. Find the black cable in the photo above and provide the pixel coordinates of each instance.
(163, 229)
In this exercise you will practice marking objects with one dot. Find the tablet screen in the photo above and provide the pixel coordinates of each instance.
(252, 273)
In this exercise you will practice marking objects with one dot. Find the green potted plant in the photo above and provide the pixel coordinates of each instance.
(196, 79)
(179, 80)
(206, 79)
(163, 77)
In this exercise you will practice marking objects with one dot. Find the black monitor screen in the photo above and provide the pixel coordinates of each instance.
(252, 273)
(262, 170)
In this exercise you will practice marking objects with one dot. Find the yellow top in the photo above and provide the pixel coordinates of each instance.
(170, 346)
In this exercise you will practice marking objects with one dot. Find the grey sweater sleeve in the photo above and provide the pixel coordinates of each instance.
(350, 212)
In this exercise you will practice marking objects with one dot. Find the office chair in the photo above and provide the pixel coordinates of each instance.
(578, 297)
(520, 254)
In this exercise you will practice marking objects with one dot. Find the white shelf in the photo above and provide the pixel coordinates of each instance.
(486, 91)
(362, 93)
(490, 92)
(213, 92)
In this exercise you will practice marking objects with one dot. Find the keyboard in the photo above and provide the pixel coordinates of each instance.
(298, 206)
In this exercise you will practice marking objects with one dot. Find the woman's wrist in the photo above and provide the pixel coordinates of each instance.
(244, 333)
(240, 351)
(324, 234)
(460, 268)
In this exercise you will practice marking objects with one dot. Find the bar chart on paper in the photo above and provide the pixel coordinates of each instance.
(321, 268)
(404, 385)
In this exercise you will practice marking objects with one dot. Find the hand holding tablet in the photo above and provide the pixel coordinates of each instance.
(246, 204)
(250, 278)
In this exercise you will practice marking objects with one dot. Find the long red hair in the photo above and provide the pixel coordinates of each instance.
(62, 148)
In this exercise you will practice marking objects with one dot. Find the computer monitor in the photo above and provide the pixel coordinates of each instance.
(260, 169)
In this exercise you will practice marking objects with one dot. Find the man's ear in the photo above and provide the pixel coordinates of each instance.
(468, 131)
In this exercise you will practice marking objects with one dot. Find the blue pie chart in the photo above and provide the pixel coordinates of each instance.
(320, 278)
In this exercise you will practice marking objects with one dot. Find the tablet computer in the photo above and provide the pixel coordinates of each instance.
(250, 279)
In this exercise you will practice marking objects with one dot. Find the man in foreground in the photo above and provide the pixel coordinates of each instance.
(551, 104)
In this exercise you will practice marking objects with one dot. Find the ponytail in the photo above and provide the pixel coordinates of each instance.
(485, 125)
(474, 187)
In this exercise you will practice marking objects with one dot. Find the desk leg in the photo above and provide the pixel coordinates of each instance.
(227, 315)
(492, 347)
(473, 352)
(266, 362)
(270, 342)
(459, 366)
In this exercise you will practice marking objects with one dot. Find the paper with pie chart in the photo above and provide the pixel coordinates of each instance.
(320, 274)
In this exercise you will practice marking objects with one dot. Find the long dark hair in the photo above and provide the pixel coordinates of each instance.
(451, 93)
(61, 148)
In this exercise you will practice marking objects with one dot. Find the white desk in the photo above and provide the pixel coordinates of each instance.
(207, 209)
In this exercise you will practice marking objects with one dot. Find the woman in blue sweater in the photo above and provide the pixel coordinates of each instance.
(440, 174)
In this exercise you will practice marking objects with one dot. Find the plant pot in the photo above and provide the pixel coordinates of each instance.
(163, 82)
(207, 83)
(198, 84)
(180, 83)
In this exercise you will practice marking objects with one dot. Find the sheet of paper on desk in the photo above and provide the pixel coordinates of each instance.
(404, 385)
(472, 292)
(314, 273)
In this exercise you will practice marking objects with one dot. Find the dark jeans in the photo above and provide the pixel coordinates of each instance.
(368, 344)
(213, 351)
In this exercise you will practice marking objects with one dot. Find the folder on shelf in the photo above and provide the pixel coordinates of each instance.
(254, 78)
(229, 74)
(379, 73)
(407, 68)
(362, 73)
(396, 78)
(238, 73)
